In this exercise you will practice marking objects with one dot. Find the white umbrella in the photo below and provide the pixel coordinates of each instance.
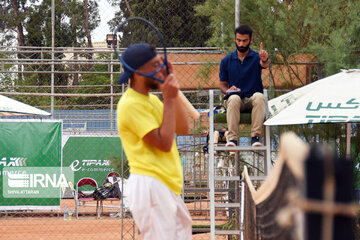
(334, 99)
(11, 107)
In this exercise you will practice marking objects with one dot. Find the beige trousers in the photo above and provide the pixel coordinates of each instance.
(234, 105)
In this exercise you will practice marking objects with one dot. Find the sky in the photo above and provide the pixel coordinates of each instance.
(106, 12)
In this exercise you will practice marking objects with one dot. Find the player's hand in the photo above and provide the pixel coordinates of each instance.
(170, 87)
(263, 54)
(164, 70)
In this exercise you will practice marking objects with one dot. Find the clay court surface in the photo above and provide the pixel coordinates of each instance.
(54, 227)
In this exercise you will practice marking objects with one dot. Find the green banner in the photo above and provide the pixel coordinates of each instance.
(92, 156)
(29, 144)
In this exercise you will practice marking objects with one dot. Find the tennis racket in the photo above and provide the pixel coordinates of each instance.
(139, 30)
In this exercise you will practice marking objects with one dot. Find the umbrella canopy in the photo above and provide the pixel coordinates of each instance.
(329, 100)
(11, 107)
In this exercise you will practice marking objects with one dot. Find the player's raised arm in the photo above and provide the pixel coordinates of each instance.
(181, 117)
(163, 137)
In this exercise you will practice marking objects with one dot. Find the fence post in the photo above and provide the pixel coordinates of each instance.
(111, 91)
(319, 71)
(237, 13)
(52, 56)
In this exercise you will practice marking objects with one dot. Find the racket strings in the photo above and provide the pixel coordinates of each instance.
(138, 30)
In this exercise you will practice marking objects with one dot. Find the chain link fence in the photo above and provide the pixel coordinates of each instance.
(90, 143)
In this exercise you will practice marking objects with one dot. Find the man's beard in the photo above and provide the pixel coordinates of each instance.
(152, 84)
(242, 49)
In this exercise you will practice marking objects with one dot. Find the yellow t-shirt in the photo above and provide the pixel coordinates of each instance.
(137, 115)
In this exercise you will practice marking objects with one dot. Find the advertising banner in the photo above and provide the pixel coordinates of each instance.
(30, 151)
(92, 156)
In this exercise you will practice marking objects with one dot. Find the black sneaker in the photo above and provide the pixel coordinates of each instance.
(231, 143)
(255, 142)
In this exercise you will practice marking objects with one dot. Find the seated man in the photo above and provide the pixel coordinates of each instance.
(240, 80)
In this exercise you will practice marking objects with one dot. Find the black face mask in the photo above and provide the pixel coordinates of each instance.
(242, 49)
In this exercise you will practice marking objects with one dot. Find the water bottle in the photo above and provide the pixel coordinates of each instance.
(70, 214)
(66, 212)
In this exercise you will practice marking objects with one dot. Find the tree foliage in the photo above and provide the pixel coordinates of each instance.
(35, 18)
(176, 20)
(222, 24)
(12, 16)
(30, 22)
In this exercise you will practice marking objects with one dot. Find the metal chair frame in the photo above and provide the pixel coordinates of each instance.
(81, 201)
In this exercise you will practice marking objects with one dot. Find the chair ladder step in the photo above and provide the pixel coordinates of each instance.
(240, 148)
(228, 178)
(227, 205)
(257, 178)
(237, 178)
(228, 232)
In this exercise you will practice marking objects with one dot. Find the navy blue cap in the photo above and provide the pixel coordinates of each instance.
(135, 56)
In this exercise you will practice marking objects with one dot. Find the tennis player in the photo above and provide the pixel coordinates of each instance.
(147, 129)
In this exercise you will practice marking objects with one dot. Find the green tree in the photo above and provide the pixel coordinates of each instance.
(30, 22)
(176, 20)
(12, 15)
(335, 33)
(73, 25)
(74, 21)
(222, 23)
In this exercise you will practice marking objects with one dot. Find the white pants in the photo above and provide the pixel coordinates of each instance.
(158, 212)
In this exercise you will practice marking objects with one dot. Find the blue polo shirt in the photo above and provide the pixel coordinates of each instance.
(245, 75)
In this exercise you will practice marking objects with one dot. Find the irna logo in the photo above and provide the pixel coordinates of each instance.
(36, 182)
(20, 180)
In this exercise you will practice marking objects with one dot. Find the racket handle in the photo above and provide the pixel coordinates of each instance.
(185, 102)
